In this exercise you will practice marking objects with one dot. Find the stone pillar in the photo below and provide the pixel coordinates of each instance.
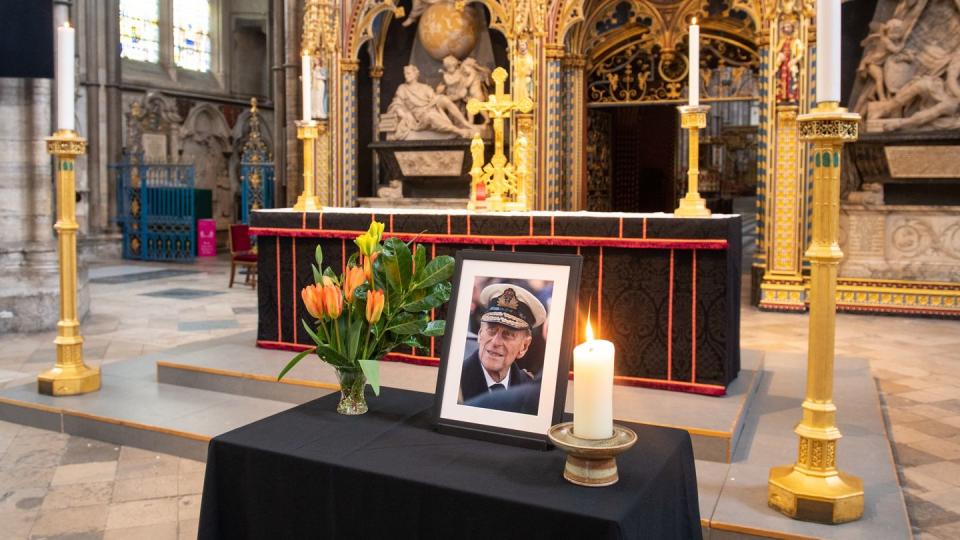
(294, 173)
(348, 146)
(376, 73)
(551, 186)
(278, 73)
(574, 131)
(29, 276)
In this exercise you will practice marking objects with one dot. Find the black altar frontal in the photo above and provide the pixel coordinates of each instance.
(665, 290)
(310, 472)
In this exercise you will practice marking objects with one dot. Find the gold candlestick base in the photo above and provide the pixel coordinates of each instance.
(693, 119)
(836, 498)
(308, 131)
(591, 462)
(813, 489)
(69, 376)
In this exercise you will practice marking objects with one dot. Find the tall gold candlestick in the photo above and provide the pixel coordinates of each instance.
(308, 131)
(693, 119)
(69, 376)
(813, 489)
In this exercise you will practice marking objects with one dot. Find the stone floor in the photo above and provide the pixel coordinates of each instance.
(56, 486)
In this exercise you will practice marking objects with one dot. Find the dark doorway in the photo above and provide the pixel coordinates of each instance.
(643, 140)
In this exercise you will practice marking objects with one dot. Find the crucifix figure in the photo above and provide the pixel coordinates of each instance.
(499, 174)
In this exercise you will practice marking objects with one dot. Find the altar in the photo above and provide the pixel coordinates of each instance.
(664, 289)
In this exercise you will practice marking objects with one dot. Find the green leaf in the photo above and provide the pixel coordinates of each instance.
(330, 274)
(398, 263)
(371, 368)
(440, 294)
(414, 326)
(355, 329)
(318, 255)
(293, 362)
(439, 269)
(435, 328)
(313, 335)
(317, 275)
(419, 261)
(333, 357)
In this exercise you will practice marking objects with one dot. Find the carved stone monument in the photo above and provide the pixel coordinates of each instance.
(901, 210)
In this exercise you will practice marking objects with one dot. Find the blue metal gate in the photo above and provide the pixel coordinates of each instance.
(156, 210)
(256, 169)
(257, 177)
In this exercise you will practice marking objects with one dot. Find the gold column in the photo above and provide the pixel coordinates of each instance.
(693, 119)
(323, 162)
(308, 133)
(813, 489)
(69, 376)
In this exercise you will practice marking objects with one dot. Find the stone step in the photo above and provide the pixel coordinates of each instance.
(714, 423)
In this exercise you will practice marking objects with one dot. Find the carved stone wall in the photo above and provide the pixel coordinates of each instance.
(206, 145)
(915, 243)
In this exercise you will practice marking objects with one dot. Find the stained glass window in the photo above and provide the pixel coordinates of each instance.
(139, 31)
(191, 34)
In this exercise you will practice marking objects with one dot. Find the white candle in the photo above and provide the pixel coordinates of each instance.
(64, 76)
(694, 68)
(828, 51)
(593, 388)
(307, 76)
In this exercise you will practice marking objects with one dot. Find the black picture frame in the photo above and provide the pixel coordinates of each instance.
(476, 417)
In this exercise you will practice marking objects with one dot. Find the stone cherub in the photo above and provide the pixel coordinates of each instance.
(418, 108)
(884, 40)
(463, 81)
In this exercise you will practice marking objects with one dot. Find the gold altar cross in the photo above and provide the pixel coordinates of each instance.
(499, 174)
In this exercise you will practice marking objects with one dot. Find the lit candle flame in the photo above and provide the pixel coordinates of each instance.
(693, 20)
(66, 24)
(589, 331)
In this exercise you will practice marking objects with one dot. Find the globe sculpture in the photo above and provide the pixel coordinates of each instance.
(445, 30)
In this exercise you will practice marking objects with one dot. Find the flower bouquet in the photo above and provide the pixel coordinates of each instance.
(382, 301)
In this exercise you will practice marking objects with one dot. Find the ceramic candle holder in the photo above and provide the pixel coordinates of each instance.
(591, 462)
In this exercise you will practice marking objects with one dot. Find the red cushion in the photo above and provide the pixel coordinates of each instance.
(240, 238)
(246, 256)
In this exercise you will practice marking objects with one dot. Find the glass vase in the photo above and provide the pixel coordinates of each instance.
(352, 384)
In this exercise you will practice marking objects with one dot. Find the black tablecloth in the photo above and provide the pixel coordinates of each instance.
(312, 473)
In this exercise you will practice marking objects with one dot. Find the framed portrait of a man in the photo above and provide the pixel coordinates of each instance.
(506, 352)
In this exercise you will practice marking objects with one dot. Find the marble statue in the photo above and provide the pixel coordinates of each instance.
(884, 40)
(419, 6)
(420, 110)
(930, 100)
(320, 96)
(907, 76)
(463, 81)
(525, 66)
(789, 56)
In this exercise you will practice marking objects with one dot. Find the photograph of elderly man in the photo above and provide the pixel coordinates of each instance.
(509, 316)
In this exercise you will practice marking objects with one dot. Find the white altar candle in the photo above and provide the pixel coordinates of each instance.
(64, 76)
(593, 388)
(828, 51)
(694, 69)
(307, 83)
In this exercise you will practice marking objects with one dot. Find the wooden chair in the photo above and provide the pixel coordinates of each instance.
(242, 254)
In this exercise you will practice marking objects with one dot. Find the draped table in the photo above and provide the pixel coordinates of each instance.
(665, 290)
(312, 473)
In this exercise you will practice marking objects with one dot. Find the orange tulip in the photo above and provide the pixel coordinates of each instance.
(375, 301)
(313, 301)
(332, 301)
(351, 280)
(368, 266)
